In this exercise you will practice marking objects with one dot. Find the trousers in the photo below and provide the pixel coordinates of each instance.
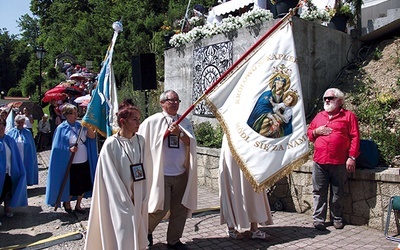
(328, 177)
(174, 189)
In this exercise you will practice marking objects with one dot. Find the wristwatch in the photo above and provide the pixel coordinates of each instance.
(352, 157)
(181, 134)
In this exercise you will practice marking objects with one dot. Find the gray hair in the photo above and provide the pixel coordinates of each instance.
(18, 118)
(163, 96)
(338, 94)
(68, 108)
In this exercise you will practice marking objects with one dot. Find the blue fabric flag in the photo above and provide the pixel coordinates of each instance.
(103, 106)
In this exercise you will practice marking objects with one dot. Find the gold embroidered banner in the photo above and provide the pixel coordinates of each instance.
(260, 107)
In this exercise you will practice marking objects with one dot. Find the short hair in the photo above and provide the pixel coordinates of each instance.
(126, 112)
(163, 96)
(18, 118)
(338, 94)
(68, 108)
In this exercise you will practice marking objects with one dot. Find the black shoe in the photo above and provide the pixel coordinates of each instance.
(80, 211)
(319, 225)
(150, 239)
(68, 210)
(338, 225)
(177, 246)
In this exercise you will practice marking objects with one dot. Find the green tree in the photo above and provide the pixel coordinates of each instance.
(84, 28)
(14, 57)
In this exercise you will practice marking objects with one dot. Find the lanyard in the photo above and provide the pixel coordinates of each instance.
(173, 119)
(140, 155)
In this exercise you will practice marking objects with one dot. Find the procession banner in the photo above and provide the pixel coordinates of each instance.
(260, 108)
(103, 106)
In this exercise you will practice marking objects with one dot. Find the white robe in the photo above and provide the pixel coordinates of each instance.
(239, 204)
(119, 215)
(153, 129)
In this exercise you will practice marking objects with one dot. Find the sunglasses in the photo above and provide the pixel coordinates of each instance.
(330, 98)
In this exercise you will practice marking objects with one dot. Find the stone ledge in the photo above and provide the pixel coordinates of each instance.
(377, 174)
(367, 192)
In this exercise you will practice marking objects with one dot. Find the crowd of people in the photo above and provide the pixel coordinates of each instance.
(148, 171)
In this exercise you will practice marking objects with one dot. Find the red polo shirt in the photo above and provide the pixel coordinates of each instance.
(344, 141)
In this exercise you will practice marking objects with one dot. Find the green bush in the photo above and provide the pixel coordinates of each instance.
(14, 92)
(207, 135)
(373, 115)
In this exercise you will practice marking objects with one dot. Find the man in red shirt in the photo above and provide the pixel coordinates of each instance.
(336, 139)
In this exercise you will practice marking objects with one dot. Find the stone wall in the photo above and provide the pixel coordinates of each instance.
(367, 191)
(321, 52)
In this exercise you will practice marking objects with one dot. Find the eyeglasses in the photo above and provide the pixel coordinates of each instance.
(330, 98)
(173, 100)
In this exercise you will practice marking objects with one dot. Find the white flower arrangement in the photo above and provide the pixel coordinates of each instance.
(311, 14)
(196, 21)
(256, 16)
(229, 24)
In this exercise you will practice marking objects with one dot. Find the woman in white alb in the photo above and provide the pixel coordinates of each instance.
(119, 210)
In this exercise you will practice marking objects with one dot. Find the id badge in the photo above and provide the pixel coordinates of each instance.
(173, 141)
(137, 172)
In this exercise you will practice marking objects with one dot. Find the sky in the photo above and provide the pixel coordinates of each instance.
(11, 11)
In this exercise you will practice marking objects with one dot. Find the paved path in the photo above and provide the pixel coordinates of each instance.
(290, 231)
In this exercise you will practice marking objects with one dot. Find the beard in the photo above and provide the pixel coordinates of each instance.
(329, 107)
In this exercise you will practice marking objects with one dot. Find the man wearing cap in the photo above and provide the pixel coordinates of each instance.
(44, 132)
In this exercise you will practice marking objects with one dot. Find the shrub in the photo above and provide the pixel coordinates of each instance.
(374, 116)
(207, 135)
(14, 92)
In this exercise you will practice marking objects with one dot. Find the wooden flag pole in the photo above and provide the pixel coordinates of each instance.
(67, 171)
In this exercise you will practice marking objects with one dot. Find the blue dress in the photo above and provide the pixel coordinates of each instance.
(29, 157)
(59, 158)
(19, 196)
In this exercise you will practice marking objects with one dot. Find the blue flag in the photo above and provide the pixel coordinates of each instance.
(103, 106)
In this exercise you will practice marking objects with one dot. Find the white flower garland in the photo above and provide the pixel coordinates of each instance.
(231, 23)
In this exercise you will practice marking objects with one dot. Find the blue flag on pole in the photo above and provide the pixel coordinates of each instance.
(103, 106)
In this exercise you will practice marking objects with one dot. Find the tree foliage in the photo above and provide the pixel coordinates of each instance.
(84, 28)
(14, 57)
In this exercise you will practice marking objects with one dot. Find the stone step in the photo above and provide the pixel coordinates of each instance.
(380, 26)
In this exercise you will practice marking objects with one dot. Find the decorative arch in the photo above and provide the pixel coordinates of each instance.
(65, 57)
